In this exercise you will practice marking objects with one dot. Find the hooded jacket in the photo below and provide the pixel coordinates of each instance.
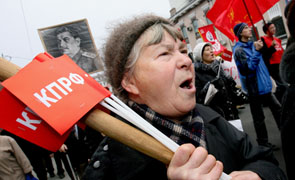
(255, 78)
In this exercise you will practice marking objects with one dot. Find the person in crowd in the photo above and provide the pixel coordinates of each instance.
(287, 71)
(272, 52)
(149, 69)
(48, 164)
(208, 71)
(256, 82)
(82, 145)
(60, 158)
(69, 43)
(35, 154)
(14, 164)
(77, 150)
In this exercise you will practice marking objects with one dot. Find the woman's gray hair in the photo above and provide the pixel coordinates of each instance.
(156, 32)
(126, 42)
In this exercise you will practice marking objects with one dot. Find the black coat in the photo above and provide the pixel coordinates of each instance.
(287, 70)
(113, 160)
(223, 102)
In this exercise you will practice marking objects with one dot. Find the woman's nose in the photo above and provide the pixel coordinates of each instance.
(183, 60)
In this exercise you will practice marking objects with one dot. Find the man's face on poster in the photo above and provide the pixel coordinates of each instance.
(68, 44)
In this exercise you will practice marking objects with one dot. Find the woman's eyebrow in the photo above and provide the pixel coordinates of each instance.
(167, 46)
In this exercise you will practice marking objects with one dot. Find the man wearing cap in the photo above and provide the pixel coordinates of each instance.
(255, 80)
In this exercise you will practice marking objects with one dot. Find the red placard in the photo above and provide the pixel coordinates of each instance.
(57, 89)
(18, 119)
(208, 35)
(226, 55)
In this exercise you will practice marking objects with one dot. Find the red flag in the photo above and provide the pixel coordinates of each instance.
(208, 35)
(58, 90)
(225, 14)
(18, 119)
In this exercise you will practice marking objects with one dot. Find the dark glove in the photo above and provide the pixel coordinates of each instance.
(217, 82)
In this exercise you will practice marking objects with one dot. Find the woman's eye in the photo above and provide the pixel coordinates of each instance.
(183, 51)
(164, 53)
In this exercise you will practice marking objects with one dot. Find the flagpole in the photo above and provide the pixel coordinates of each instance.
(255, 31)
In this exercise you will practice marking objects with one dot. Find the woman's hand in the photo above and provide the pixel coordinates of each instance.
(244, 175)
(189, 162)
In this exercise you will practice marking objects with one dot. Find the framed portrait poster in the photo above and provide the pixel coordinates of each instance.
(75, 40)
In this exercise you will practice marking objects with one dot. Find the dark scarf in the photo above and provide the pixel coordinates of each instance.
(190, 129)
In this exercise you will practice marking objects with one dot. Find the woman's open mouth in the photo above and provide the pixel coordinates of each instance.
(187, 84)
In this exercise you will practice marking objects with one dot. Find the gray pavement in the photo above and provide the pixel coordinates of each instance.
(55, 171)
(273, 131)
(245, 115)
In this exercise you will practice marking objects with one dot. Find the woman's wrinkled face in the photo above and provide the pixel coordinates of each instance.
(163, 78)
(208, 55)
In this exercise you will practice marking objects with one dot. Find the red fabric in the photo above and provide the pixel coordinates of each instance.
(276, 56)
(14, 114)
(225, 14)
(71, 90)
(208, 35)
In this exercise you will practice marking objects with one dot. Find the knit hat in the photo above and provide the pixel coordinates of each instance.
(199, 49)
(119, 45)
(239, 28)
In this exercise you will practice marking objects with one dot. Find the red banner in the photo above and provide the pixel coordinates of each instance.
(225, 14)
(18, 119)
(57, 89)
(208, 35)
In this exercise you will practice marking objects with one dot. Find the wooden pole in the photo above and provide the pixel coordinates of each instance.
(110, 126)
(255, 31)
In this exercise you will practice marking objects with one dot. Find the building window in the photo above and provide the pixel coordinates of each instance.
(184, 33)
(274, 11)
(275, 15)
(280, 28)
(205, 9)
(196, 27)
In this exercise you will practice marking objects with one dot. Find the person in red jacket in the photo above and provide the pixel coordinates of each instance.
(272, 52)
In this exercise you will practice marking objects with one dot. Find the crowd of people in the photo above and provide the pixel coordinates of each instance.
(73, 155)
(148, 67)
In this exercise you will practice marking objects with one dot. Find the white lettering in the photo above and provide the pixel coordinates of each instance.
(65, 82)
(30, 110)
(28, 122)
(216, 46)
(54, 84)
(45, 98)
(76, 78)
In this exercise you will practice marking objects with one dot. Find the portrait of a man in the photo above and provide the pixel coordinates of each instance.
(75, 40)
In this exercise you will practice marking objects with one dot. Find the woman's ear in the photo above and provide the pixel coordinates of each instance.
(129, 84)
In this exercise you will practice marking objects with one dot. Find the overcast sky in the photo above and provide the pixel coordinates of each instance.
(20, 20)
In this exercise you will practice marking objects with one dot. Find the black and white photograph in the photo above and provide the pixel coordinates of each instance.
(75, 40)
